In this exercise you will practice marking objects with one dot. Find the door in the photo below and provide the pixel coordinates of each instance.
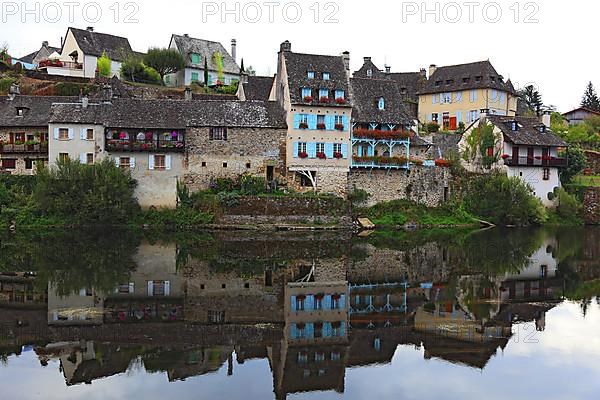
(530, 156)
(515, 155)
(452, 123)
(270, 173)
(545, 158)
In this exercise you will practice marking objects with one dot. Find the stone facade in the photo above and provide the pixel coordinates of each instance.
(593, 159)
(424, 185)
(34, 153)
(256, 151)
(591, 206)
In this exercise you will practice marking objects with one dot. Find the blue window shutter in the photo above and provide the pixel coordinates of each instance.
(329, 122)
(295, 150)
(342, 301)
(309, 303)
(370, 152)
(327, 302)
(458, 117)
(311, 149)
(327, 329)
(343, 329)
(345, 122)
(359, 151)
(429, 118)
(502, 97)
(293, 300)
(310, 330)
(312, 121)
(344, 150)
(296, 121)
(329, 150)
(293, 331)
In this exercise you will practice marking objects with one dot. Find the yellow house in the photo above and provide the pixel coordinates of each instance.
(457, 93)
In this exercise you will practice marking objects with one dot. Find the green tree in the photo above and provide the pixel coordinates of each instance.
(134, 70)
(206, 77)
(577, 163)
(590, 98)
(104, 66)
(218, 59)
(164, 61)
(504, 201)
(532, 98)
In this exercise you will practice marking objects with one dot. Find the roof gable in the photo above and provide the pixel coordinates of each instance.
(36, 110)
(206, 49)
(95, 44)
(258, 87)
(528, 132)
(366, 93)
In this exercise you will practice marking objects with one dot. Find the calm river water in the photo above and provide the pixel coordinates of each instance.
(448, 314)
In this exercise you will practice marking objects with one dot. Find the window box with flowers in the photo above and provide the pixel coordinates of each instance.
(303, 154)
(340, 100)
(321, 126)
(303, 125)
(338, 155)
(308, 99)
(381, 135)
(321, 156)
(505, 156)
(440, 162)
(324, 100)
(339, 127)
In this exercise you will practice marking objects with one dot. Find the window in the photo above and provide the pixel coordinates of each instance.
(300, 303)
(304, 119)
(318, 302)
(124, 162)
(478, 78)
(369, 73)
(28, 163)
(325, 76)
(546, 174)
(89, 158)
(339, 120)
(335, 356)
(224, 165)
(125, 288)
(17, 137)
(306, 92)
(195, 59)
(446, 121)
(311, 74)
(339, 94)
(320, 147)
(168, 79)
(89, 134)
(319, 356)
(20, 111)
(159, 288)
(63, 157)
(320, 121)
(63, 134)
(194, 77)
(305, 181)
(302, 358)
(335, 302)
(337, 148)
(216, 317)
(323, 93)
(248, 165)
(159, 161)
(434, 117)
(9, 163)
(446, 98)
(301, 147)
(381, 103)
(217, 133)
(474, 114)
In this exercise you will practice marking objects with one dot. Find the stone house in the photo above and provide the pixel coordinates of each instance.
(523, 147)
(231, 138)
(24, 131)
(42, 54)
(222, 66)
(314, 92)
(579, 115)
(81, 49)
(455, 94)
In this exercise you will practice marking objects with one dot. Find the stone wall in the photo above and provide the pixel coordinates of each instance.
(20, 158)
(332, 180)
(591, 206)
(246, 151)
(593, 159)
(424, 185)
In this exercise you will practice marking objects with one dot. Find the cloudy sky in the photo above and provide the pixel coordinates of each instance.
(550, 44)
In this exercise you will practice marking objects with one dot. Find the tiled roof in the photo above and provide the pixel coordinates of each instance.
(173, 114)
(298, 65)
(36, 110)
(584, 109)
(206, 50)
(94, 43)
(477, 75)
(366, 93)
(258, 87)
(369, 65)
(528, 132)
(409, 82)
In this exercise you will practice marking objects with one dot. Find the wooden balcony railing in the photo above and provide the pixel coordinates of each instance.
(24, 148)
(536, 162)
(128, 145)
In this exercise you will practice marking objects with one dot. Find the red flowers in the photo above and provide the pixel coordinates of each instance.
(382, 135)
(303, 154)
(505, 156)
(337, 155)
(321, 156)
(303, 125)
(324, 100)
(308, 99)
(321, 126)
(339, 127)
(340, 100)
(398, 161)
(440, 162)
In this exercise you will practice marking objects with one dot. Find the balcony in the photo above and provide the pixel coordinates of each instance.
(60, 64)
(136, 141)
(40, 148)
(380, 162)
(537, 161)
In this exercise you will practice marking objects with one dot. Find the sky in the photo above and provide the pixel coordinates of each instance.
(549, 44)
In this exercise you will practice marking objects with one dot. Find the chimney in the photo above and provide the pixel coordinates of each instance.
(188, 94)
(432, 69)
(185, 35)
(546, 118)
(388, 69)
(45, 43)
(285, 46)
(234, 49)
(90, 29)
(85, 101)
(423, 73)
(346, 59)
(366, 59)
(14, 91)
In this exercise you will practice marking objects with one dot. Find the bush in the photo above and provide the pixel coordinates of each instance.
(134, 70)
(71, 89)
(504, 201)
(432, 127)
(252, 185)
(104, 66)
(229, 199)
(358, 196)
(577, 162)
(5, 84)
(568, 207)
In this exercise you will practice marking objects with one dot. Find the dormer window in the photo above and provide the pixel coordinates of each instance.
(542, 128)
(381, 103)
(369, 73)
(20, 111)
(403, 91)
(325, 76)
(493, 79)
(339, 94)
(465, 80)
(195, 58)
(438, 83)
(310, 74)
(514, 126)
(306, 92)
(449, 81)
(478, 78)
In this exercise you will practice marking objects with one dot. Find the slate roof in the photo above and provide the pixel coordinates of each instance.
(94, 43)
(368, 64)
(258, 87)
(528, 133)
(298, 65)
(206, 49)
(36, 113)
(584, 109)
(446, 143)
(465, 77)
(410, 82)
(173, 114)
(366, 93)
(29, 57)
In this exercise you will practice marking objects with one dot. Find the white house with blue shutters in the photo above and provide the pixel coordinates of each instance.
(314, 92)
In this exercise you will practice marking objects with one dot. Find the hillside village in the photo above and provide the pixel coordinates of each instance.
(315, 126)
